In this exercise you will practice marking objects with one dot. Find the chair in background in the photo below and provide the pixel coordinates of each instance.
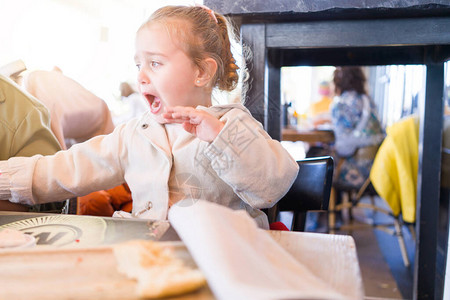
(309, 192)
(351, 199)
(393, 178)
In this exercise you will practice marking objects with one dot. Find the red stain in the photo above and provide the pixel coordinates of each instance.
(79, 259)
(77, 240)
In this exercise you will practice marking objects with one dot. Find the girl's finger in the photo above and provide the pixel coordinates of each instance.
(178, 109)
(174, 121)
(174, 115)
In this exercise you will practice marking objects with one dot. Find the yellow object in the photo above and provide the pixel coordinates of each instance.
(394, 171)
(320, 107)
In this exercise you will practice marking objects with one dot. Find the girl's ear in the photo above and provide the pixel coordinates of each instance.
(207, 69)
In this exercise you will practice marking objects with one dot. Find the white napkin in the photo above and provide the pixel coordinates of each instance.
(241, 261)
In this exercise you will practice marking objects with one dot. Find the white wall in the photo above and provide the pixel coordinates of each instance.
(92, 41)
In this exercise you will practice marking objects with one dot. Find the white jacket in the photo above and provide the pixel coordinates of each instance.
(243, 168)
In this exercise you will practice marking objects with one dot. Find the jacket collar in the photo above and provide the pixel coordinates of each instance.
(155, 133)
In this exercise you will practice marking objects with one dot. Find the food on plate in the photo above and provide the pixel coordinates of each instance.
(11, 238)
(158, 271)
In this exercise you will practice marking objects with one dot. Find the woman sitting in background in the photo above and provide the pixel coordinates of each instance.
(357, 130)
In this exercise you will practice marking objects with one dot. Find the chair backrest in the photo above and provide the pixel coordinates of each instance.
(310, 190)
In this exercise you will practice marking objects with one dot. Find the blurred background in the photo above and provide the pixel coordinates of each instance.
(90, 41)
(400, 86)
(93, 43)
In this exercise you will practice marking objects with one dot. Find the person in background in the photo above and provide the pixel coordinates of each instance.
(320, 117)
(184, 148)
(76, 116)
(319, 112)
(24, 131)
(357, 129)
(67, 112)
(76, 113)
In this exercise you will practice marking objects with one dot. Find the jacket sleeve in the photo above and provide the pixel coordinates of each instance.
(258, 168)
(86, 167)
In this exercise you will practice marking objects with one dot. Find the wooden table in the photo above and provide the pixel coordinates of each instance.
(307, 135)
(88, 271)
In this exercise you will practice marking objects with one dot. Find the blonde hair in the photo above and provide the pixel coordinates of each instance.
(202, 33)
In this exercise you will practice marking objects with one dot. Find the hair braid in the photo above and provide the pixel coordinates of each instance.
(230, 76)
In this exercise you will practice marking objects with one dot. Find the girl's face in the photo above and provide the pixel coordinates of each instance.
(166, 75)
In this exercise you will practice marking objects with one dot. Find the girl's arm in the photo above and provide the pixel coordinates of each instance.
(84, 168)
(258, 168)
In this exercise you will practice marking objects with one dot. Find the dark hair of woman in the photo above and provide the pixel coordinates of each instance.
(349, 79)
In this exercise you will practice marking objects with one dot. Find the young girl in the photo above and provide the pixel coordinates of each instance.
(183, 147)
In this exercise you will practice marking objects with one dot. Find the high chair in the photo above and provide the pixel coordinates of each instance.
(309, 192)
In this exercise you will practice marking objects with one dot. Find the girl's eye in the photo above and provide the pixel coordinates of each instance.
(155, 64)
(138, 67)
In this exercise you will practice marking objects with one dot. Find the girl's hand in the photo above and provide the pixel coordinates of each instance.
(195, 121)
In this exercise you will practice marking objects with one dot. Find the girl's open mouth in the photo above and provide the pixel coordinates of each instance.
(155, 103)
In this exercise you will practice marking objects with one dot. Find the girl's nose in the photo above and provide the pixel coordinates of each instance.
(142, 77)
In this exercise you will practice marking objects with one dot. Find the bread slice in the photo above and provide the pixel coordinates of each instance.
(158, 271)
